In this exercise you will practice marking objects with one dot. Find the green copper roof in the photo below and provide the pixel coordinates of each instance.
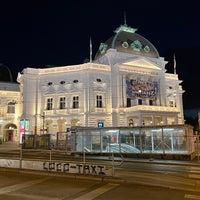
(126, 40)
(125, 28)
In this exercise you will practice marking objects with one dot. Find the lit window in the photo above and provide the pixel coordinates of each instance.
(100, 125)
(171, 103)
(75, 102)
(49, 103)
(62, 102)
(99, 101)
(131, 122)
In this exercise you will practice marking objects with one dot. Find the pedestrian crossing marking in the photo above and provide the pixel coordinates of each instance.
(191, 196)
(95, 193)
(15, 187)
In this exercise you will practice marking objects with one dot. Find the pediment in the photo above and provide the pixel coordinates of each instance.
(142, 63)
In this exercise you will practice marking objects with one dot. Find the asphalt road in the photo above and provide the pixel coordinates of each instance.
(136, 179)
(24, 186)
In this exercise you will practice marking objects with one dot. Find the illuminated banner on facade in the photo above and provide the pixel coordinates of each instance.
(24, 126)
(137, 87)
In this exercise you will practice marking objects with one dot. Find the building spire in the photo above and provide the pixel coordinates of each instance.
(125, 18)
(174, 64)
(90, 50)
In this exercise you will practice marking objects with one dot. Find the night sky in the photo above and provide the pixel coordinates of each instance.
(53, 33)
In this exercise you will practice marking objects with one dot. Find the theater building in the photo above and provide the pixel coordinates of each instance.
(125, 85)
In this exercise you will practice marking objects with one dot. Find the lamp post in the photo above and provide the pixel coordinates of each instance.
(43, 118)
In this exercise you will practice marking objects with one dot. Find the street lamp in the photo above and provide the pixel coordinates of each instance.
(43, 120)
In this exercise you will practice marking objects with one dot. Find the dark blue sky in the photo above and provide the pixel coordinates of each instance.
(46, 32)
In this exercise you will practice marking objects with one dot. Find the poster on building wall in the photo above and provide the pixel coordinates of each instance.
(141, 87)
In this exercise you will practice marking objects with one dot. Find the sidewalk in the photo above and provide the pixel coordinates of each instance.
(10, 145)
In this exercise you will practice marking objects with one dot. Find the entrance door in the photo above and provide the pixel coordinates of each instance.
(9, 133)
(10, 136)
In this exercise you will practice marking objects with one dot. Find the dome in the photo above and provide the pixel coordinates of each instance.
(127, 41)
(5, 73)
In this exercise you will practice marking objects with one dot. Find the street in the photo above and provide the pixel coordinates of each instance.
(22, 186)
(132, 179)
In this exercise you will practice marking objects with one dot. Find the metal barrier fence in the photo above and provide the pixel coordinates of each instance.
(59, 141)
(36, 141)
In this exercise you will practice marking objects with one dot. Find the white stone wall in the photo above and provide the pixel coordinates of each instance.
(112, 87)
(9, 93)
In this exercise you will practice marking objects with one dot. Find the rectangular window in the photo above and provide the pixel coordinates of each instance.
(139, 101)
(11, 108)
(171, 103)
(150, 102)
(75, 102)
(128, 102)
(99, 101)
(50, 104)
(62, 103)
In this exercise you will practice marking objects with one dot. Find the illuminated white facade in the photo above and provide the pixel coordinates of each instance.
(126, 85)
(10, 111)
